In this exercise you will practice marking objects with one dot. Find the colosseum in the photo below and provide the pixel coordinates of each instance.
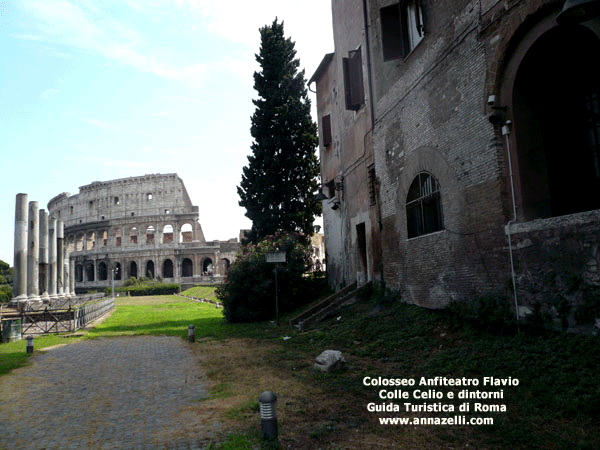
(142, 226)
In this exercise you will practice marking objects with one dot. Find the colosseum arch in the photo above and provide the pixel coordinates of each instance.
(149, 273)
(207, 266)
(117, 236)
(133, 270)
(71, 243)
(90, 272)
(187, 268)
(90, 240)
(102, 271)
(186, 233)
(167, 234)
(224, 265)
(79, 242)
(118, 271)
(133, 235)
(167, 268)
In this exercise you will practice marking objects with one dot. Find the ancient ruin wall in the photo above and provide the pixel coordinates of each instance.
(146, 195)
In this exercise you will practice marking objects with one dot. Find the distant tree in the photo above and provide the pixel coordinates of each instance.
(279, 183)
(5, 282)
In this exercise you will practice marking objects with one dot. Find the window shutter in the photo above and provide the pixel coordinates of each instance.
(348, 96)
(326, 130)
(356, 79)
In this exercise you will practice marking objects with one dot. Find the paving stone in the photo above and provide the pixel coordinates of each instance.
(118, 393)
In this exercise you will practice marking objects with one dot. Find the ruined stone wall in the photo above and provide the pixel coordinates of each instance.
(138, 227)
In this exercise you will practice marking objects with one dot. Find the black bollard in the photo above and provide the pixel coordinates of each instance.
(29, 346)
(268, 417)
(191, 333)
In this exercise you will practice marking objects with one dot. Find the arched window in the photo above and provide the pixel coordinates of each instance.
(167, 236)
(187, 268)
(133, 235)
(424, 206)
(186, 233)
(167, 269)
(91, 240)
(150, 231)
(79, 242)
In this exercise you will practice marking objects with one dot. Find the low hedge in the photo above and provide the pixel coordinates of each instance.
(137, 290)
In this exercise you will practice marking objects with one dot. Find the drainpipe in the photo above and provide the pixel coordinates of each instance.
(506, 134)
(370, 80)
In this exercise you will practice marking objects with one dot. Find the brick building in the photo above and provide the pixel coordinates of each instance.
(435, 115)
(139, 227)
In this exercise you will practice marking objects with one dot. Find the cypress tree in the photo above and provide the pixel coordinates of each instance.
(279, 183)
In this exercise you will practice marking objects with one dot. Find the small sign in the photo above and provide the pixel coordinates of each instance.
(277, 257)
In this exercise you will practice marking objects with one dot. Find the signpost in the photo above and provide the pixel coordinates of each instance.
(276, 257)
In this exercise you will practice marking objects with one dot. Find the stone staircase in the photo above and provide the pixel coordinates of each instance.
(325, 307)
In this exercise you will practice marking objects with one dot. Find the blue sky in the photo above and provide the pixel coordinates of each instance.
(98, 90)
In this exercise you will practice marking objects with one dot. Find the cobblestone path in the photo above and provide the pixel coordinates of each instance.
(118, 393)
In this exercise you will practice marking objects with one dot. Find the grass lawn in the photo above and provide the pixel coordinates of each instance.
(555, 405)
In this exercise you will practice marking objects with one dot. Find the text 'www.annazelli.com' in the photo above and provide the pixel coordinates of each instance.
(455, 420)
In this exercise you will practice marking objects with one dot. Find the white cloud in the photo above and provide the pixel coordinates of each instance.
(87, 27)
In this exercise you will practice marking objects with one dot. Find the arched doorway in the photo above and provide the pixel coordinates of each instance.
(556, 107)
(207, 267)
(187, 268)
(117, 271)
(89, 271)
(224, 266)
(102, 271)
(167, 269)
(150, 269)
(133, 270)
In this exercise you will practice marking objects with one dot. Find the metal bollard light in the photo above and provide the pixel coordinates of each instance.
(268, 417)
(29, 346)
(191, 333)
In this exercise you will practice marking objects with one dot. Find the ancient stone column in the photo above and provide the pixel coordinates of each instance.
(60, 256)
(44, 256)
(72, 277)
(33, 253)
(20, 260)
(52, 272)
(67, 274)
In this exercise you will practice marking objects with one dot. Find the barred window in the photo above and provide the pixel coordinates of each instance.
(424, 206)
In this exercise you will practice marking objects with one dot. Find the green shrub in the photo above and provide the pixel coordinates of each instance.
(6, 293)
(249, 291)
(135, 287)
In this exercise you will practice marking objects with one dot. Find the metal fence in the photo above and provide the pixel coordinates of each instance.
(49, 321)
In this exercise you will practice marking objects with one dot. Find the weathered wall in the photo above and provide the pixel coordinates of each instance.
(351, 228)
(431, 117)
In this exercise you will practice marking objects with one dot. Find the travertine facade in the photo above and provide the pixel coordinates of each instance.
(138, 227)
